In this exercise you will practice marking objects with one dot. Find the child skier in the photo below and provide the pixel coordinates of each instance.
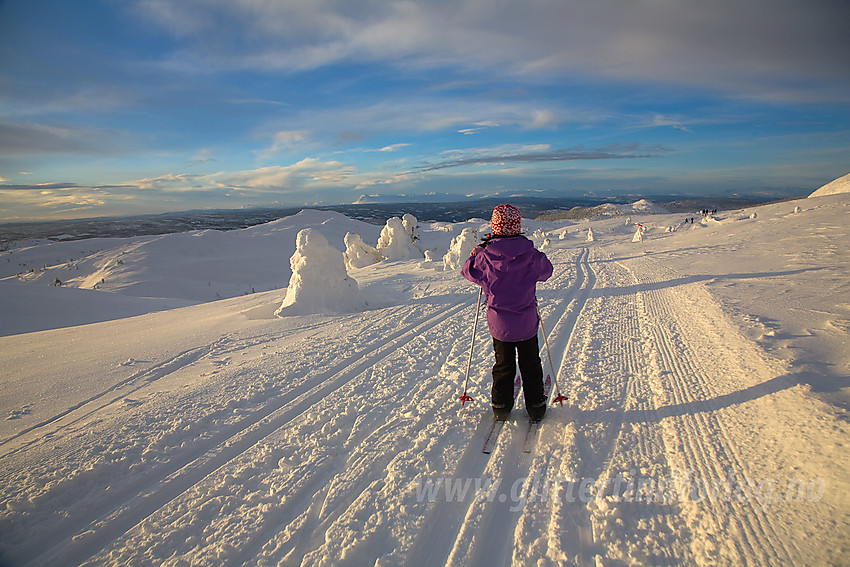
(508, 266)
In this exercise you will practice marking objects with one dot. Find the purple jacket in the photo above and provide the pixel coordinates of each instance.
(508, 270)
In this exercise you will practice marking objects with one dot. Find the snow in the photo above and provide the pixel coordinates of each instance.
(835, 187)
(706, 369)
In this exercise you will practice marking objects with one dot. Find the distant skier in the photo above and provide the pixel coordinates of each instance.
(508, 266)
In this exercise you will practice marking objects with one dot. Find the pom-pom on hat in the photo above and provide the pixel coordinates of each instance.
(506, 220)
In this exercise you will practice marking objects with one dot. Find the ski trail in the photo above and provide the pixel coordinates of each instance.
(537, 479)
(79, 413)
(316, 503)
(485, 537)
(588, 461)
(101, 400)
(596, 356)
(448, 514)
(79, 536)
(353, 497)
(704, 437)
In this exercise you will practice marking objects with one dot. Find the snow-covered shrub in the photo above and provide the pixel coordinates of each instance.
(319, 282)
(638, 237)
(395, 242)
(460, 248)
(358, 254)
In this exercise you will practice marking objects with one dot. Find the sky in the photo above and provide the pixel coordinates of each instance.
(119, 107)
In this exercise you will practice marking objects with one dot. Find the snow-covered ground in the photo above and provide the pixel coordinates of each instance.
(706, 367)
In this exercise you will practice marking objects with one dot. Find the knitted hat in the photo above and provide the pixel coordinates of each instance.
(506, 220)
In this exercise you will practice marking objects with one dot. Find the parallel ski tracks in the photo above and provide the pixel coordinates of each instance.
(79, 413)
(619, 368)
(79, 536)
(709, 450)
(600, 359)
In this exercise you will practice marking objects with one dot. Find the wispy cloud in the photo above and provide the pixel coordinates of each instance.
(292, 178)
(20, 139)
(549, 155)
(284, 140)
(59, 186)
(393, 147)
(479, 126)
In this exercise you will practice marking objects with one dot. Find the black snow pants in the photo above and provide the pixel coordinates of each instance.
(504, 372)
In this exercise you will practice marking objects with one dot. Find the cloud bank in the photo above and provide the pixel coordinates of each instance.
(757, 48)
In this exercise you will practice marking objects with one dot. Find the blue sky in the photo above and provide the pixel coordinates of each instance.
(111, 107)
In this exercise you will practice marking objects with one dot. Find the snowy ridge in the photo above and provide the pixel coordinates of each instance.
(835, 187)
(704, 423)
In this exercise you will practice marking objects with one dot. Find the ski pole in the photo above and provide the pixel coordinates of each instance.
(465, 398)
(560, 397)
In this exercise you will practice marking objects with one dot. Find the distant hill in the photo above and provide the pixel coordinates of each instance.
(605, 210)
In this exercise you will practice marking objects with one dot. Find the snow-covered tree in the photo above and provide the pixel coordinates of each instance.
(638, 237)
(396, 243)
(319, 282)
(460, 248)
(358, 254)
(411, 225)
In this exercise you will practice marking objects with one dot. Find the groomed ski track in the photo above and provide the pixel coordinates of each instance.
(338, 441)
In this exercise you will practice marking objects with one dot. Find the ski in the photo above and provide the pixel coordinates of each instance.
(531, 435)
(498, 424)
(493, 436)
(533, 430)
